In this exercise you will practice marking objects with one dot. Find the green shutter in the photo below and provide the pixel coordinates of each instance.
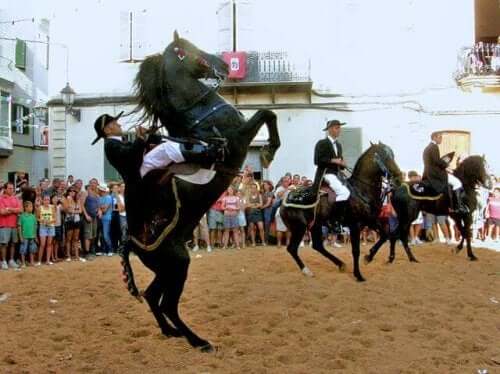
(20, 54)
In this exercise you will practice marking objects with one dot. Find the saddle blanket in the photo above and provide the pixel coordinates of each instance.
(421, 191)
(202, 176)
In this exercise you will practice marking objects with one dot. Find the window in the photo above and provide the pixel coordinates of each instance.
(134, 45)
(21, 119)
(20, 54)
(4, 113)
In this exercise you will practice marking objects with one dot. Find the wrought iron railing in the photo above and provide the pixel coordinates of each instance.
(277, 66)
(480, 59)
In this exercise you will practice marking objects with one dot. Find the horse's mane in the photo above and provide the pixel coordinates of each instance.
(469, 167)
(150, 88)
(361, 158)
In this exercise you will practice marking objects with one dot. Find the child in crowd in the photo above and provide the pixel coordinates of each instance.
(46, 215)
(27, 234)
(231, 207)
(58, 237)
(242, 220)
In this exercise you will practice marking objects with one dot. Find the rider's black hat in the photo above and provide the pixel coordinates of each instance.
(101, 122)
(333, 122)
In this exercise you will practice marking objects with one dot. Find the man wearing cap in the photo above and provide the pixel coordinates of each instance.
(128, 157)
(328, 155)
(438, 175)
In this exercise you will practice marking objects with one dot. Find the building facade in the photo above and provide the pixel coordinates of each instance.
(24, 70)
(392, 79)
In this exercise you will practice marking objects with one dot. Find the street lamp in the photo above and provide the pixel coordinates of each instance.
(68, 98)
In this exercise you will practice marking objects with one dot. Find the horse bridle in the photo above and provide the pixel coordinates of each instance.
(182, 54)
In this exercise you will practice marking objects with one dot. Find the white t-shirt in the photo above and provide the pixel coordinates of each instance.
(122, 201)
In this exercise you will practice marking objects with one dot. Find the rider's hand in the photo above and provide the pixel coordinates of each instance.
(140, 132)
(449, 170)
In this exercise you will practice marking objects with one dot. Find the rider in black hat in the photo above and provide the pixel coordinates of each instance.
(131, 160)
(438, 175)
(328, 155)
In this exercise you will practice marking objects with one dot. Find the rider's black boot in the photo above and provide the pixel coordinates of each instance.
(201, 154)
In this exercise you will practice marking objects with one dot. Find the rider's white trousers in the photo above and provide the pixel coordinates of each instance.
(340, 190)
(454, 181)
(161, 156)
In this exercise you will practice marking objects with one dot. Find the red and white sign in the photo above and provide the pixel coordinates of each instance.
(237, 62)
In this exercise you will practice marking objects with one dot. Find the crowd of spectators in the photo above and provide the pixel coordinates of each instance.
(59, 220)
(65, 220)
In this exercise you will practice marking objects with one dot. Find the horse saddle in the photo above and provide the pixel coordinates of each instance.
(304, 196)
(421, 191)
(189, 172)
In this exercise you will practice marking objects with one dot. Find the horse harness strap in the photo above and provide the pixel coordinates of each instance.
(199, 113)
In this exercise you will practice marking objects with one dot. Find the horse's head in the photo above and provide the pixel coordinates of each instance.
(185, 56)
(383, 156)
(474, 170)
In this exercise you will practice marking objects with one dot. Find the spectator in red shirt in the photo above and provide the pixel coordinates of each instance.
(10, 207)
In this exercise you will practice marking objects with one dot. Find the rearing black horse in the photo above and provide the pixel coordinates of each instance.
(168, 90)
(364, 206)
(471, 171)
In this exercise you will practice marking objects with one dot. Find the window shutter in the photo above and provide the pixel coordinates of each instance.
(125, 25)
(140, 45)
(352, 146)
(20, 54)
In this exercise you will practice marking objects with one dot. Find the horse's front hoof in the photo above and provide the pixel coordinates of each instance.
(473, 258)
(360, 278)
(342, 268)
(368, 259)
(413, 259)
(458, 249)
(307, 272)
(390, 260)
(207, 348)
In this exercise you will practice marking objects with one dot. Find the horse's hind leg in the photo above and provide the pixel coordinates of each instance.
(173, 284)
(317, 244)
(153, 294)
(124, 252)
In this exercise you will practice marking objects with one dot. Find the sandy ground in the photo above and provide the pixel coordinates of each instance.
(439, 316)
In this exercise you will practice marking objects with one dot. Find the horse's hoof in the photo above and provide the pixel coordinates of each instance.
(390, 260)
(360, 279)
(307, 272)
(458, 249)
(207, 348)
(367, 259)
(414, 260)
(473, 258)
(342, 268)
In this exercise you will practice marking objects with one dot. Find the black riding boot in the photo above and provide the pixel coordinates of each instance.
(201, 154)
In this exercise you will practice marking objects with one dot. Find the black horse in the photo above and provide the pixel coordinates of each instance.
(364, 206)
(471, 172)
(169, 91)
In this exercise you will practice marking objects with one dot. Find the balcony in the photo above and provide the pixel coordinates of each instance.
(479, 67)
(271, 73)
